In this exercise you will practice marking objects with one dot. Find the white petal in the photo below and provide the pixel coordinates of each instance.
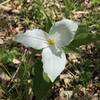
(63, 31)
(35, 38)
(53, 62)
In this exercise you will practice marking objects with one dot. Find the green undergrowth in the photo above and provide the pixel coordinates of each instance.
(33, 15)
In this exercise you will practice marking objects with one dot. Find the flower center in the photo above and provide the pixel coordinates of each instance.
(51, 41)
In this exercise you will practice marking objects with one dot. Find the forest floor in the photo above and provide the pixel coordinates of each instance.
(81, 78)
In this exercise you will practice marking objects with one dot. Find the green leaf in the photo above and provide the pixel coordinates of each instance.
(96, 2)
(41, 84)
(84, 39)
(48, 23)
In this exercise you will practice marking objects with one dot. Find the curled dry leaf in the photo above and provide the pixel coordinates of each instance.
(16, 61)
(1, 41)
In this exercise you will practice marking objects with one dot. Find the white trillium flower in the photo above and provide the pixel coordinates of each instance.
(53, 56)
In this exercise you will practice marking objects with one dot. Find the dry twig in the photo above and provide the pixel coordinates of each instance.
(13, 77)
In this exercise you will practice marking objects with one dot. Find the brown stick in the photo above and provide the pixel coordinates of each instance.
(13, 77)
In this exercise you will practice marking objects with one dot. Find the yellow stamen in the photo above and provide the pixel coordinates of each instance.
(51, 41)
